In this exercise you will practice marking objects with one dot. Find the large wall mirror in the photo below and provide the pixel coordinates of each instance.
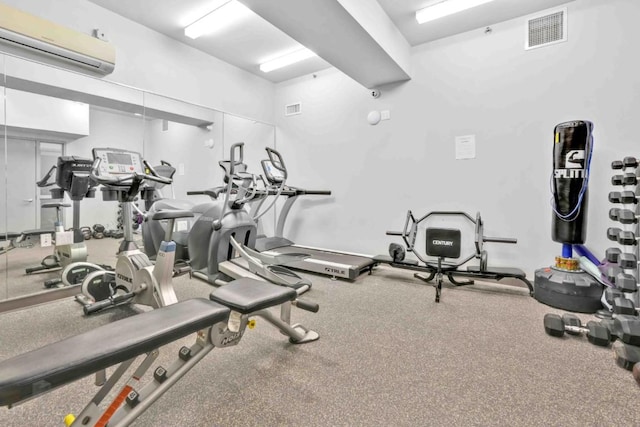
(49, 113)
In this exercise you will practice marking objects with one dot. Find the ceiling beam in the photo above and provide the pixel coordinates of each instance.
(361, 41)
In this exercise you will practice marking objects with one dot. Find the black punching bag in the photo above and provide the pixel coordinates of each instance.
(571, 158)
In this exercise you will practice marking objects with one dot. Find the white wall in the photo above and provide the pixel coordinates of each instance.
(149, 60)
(33, 112)
(486, 85)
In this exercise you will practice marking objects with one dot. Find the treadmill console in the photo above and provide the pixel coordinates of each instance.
(273, 175)
(115, 162)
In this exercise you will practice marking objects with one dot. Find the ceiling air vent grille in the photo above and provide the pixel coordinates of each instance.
(547, 29)
(293, 109)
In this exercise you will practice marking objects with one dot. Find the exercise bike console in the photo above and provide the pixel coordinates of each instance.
(115, 162)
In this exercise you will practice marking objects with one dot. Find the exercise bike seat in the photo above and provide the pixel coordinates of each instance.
(249, 295)
(171, 214)
(57, 364)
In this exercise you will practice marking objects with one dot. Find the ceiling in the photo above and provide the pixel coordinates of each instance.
(340, 31)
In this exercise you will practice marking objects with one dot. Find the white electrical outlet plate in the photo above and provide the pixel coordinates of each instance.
(45, 240)
(181, 225)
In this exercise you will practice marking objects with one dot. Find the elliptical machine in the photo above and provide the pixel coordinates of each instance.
(226, 232)
(72, 178)
(135, 278)
(221, 241)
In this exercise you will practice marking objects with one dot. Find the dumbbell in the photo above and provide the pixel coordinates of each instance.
(619, 303)
(623, 281)
(625, 197)
(625, 216)
(626, 328)
(622, 305)
(612, 254)
(626, 238)
(628, 261)
(624, 179)
(626, 350)
(627, 356)
(627, 162)
(556, 326)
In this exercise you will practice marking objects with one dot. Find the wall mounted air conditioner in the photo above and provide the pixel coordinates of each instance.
(20, 30)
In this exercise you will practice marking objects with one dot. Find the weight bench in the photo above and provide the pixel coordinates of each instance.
(445, 243)
(442, 243)
(219, 321)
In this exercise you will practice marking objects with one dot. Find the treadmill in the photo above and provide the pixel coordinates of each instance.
(337, 265)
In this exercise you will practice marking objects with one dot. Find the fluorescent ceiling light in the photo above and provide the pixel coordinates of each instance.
(224, 15)
(285, 60)
(446, 7)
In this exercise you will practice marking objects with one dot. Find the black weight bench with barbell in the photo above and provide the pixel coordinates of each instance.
(220, 322)
(445, 245)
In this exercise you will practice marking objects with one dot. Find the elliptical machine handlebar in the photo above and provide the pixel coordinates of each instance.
(155, 176)
(277, 161)
(44, 181)
(239, 147)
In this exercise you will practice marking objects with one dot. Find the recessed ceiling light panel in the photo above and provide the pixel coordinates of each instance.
(444, 8)
(283, 61)
(221, 17)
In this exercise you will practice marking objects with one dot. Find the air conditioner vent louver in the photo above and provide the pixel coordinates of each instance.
(547, 29)
(292, 109)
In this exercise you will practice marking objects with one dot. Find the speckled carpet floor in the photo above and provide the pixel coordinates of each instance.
(387, 356)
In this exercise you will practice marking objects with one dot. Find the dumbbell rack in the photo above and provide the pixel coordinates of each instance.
(624, 273)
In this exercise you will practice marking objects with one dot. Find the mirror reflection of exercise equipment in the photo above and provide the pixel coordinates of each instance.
(73, 179)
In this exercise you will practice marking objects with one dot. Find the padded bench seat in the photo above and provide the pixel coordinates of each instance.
(37, 232)
(56, 364)
(249, 295)
(496, 273)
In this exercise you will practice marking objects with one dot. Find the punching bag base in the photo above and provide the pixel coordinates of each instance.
(568, 290)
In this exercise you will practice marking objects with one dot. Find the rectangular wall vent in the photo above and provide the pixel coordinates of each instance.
(546, 29)
(293, 109)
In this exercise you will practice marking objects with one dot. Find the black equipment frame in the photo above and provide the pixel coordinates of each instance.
(427, 269)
